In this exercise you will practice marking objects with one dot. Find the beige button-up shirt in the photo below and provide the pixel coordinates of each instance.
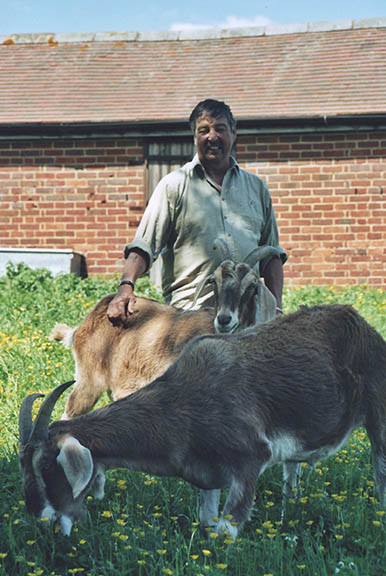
(187, 212)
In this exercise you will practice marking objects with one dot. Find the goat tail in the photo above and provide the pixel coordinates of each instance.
(64, 334)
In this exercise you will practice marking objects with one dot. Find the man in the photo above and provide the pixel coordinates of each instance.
(208, 198)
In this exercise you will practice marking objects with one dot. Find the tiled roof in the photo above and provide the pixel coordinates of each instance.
(305, 71)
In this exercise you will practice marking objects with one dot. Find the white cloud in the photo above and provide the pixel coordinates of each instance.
(230, 22)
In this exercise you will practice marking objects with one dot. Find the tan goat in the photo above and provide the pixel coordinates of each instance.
(121, 359)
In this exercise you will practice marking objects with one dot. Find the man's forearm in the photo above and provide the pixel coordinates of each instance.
(135, 265)
(274, 278)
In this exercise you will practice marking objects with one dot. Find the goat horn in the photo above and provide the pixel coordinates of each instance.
(200, 287)
(25, 417)
(260, 253)
(42, 420)
(222, 246)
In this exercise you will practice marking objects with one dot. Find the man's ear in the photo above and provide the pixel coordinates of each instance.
(77, 464)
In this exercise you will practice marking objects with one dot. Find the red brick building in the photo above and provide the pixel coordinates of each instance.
(89, 123)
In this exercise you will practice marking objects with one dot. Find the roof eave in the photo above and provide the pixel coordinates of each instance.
(180, 128)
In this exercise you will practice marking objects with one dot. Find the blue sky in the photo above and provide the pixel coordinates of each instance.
(34, 16)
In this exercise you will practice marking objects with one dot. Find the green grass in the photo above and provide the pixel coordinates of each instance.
(146, 525)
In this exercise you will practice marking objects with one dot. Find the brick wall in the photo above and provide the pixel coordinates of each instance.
(329, 194)
(84, 195)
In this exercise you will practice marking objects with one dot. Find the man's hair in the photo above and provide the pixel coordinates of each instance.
(214, 108)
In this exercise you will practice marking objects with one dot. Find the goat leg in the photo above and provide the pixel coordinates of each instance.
(238, 505)
(209, 502)
(291, 475)
(84, 396)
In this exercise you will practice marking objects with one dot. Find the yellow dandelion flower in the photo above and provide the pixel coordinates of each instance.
(339, 536)
(194, 556)
(222, 566)
(123, 537)
(301, 566)
(380, 513)
(161, 552)
(31, 542)
(3, 555)
(167, 571)
(106, 514)
(376, 523)
(213, 535)
(82, 542)
(206, 552)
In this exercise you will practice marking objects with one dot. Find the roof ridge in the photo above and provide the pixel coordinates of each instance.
(193, 34)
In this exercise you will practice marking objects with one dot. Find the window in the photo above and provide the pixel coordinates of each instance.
(163, 157)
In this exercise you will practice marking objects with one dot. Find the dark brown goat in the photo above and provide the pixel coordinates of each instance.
(287, 391)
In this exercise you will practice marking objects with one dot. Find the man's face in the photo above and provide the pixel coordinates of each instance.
(214, 140)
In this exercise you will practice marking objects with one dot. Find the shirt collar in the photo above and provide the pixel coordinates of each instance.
(198, 168)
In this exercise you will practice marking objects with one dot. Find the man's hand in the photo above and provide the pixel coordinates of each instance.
(122, 304)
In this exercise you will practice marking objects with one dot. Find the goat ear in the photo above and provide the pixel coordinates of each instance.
(77, 464)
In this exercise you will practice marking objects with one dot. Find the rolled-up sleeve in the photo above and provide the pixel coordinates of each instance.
(154, 229)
